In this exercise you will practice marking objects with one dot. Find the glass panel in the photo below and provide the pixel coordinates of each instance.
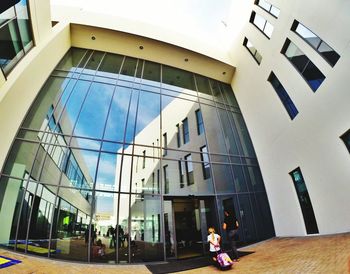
(239, 179)
(124, 169)
(104, 220)
(245, 141)
(327, 52)
(212, 124)
(259, 21)
(151, 74)
(223, 178)
(131, 120)
(72, 108)
(203, 87)
(148, 118)
(145, 235)
(308, 35)
(24, 25)
(108, 166)
(297, 57)
(128, 69)
(247, 219)
(110, 65)
(123, 239)
(12, 192)
(268, 29)
(116, 121)
(70, 233)
(93, 62)
(7, 15)
(275, 11)
(43, 208)
(313, 76)
(180, 78)
(20, 159)
(92, 118)
(10, 47)
(227, 129)
(264, 5)
(262, 214)
(72, 59)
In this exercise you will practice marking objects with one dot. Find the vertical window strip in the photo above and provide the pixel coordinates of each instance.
(252, 50)
(328, 53)
(283, 95)
(185, 129)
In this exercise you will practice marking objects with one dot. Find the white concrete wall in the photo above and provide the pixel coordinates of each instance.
(311, 141)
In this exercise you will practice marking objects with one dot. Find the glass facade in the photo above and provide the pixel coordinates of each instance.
(124, 160)
(15, 33)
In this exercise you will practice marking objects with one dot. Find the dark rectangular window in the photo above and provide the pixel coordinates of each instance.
(316, 42)
(205, 162)
(346, 139)
(144, 159)
(262, 24)
(186, 132)
(312, 75)
(268, 7)
(165, 144)
(305, 202)
(283, 95)
(166, 179)
(189, 169)
(178, 139)
(253, 51)
(200, 125)
(181, 174)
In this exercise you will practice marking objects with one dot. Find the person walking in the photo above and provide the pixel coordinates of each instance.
(231, 225)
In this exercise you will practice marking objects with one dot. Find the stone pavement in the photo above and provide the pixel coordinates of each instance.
(314, 254)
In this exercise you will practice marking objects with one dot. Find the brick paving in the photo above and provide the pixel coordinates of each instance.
(315, 254)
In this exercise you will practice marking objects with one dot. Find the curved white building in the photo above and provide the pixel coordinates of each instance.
(75, 75)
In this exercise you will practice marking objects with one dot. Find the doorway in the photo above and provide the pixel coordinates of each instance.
(186, 224)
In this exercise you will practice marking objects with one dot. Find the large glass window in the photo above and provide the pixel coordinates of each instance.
(304, 201)
(316, 42)
(262, 24)
(283, 95)
(94, 137)
(312, 75)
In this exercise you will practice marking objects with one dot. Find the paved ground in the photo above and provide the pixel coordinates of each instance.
(327, 254)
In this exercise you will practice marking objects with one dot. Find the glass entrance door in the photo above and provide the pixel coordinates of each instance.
(186, 224)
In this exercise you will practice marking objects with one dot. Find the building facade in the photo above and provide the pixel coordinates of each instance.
(123, 143)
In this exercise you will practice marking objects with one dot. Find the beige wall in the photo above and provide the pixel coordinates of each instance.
(311, 141)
